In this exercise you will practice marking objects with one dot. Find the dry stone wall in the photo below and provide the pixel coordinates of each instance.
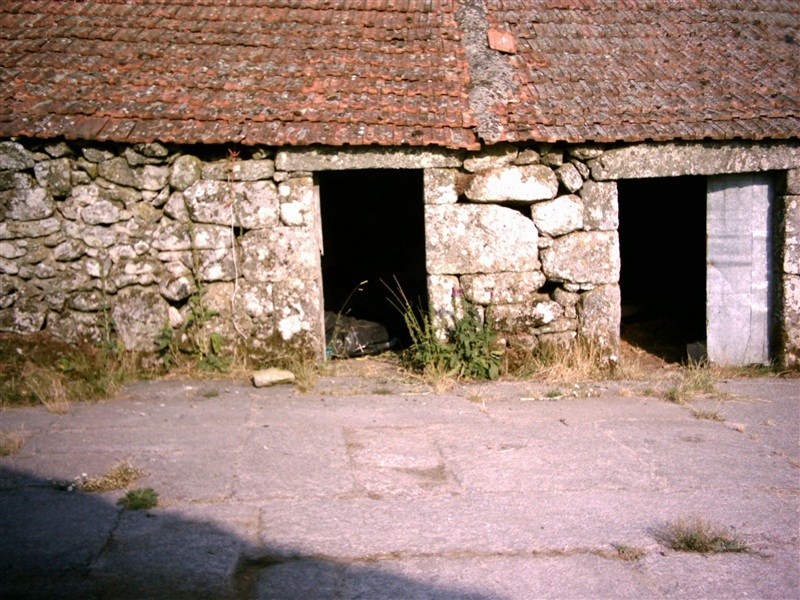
(100, 236)
(98, 239)
(525, 232)
(788, 270)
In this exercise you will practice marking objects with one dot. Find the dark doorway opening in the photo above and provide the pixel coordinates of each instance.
(662, 234)
(373, 229)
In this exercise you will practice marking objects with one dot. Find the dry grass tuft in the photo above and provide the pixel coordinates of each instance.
(439, 378)
(305, 372)
(46, 386)
(694, 534)
(39, 369)
(696, 381)
(708, 415)
(562, 363)
(477, 398)
(11, 442)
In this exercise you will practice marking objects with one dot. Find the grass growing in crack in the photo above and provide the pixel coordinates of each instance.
(476, 398)
(11, 442)
(696, 381)
(118, 477)
(628, 553)
(140, 499)
(708, 415)
(694, 534)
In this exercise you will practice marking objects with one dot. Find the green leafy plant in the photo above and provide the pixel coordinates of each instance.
(204, 347)
(167, 347)
(466, 350)
(140, 499)
(426, 350)
(472, 340)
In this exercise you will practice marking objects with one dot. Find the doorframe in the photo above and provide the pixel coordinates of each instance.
(675, 159)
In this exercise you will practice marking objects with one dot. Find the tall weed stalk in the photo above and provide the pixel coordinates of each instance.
(466, 350)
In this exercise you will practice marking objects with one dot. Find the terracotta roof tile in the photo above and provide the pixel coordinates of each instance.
(633, 70)
(283, 72)
(267, 72)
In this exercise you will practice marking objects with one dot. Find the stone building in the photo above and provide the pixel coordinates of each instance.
(560, 161)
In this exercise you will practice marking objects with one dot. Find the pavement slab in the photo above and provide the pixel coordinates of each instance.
(366, 488)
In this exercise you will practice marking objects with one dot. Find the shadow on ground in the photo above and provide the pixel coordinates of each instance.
(61, 544)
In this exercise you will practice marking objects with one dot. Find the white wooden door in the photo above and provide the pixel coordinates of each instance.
(739, 268)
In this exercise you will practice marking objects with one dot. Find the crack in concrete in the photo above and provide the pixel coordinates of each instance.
(231, 492)
(248, 565)
(107, 545)
(492, 77)
(245, 575)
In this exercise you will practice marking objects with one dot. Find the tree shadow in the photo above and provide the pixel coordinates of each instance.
(60, 544)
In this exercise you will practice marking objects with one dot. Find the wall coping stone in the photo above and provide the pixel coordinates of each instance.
(328, 158)
(686, 158)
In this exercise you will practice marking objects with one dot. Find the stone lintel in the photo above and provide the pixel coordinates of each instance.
(686, 158)
(338, 159)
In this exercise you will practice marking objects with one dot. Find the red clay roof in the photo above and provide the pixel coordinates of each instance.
(335, 72)
(395, 72)
(634, 70)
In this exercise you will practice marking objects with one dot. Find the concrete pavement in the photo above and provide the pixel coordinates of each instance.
(375, 488)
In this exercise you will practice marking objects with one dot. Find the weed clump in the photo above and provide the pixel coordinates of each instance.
(11, 442)
(694, 534)
(192, 339)
(697, 380)
(118, 477)
(140, 499)
(39, 369)
(467, 349)
(707, 415)
(628, 553)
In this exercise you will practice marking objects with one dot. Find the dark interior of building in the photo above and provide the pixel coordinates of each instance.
(663, 258)
(373, 228)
